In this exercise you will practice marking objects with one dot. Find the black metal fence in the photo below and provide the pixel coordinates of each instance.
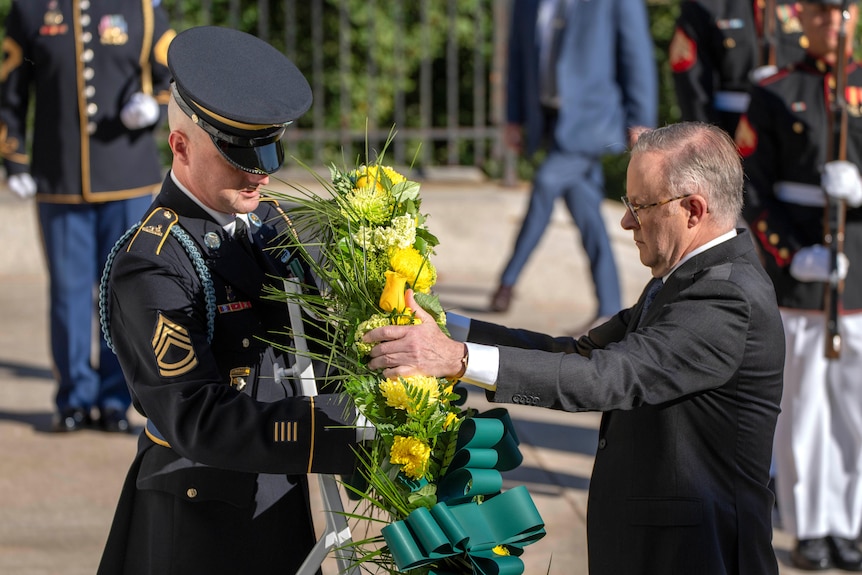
(432, 69)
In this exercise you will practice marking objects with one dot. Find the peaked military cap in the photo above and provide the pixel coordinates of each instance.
(239, 90)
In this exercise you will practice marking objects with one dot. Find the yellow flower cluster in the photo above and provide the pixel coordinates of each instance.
(396, 391)
(411, 454)
(373, 176)
(418, 270)
(370, 203)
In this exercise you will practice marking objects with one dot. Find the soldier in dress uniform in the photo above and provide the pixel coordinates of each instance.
(787, 140)
(97, 72)
(219, 482)
(716, 47)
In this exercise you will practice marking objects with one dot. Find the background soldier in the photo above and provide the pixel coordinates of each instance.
(787, 139)
(717, 45)
(95, 71)
(219, 482)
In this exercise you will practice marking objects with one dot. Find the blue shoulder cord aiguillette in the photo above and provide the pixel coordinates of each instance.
(197, 261)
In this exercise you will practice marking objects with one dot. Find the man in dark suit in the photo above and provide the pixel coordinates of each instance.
(580, 76)
(219, 481)
(689, 378)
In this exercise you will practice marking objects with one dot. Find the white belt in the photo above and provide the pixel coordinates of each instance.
(800, 194)
(731, 102)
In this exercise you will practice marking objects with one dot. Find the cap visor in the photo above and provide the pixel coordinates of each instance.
(267, 158)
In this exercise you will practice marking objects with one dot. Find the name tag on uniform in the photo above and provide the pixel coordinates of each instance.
(730, 24)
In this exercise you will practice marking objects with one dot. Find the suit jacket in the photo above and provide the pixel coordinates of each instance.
(81, 62)
(690, 398)
(218, 484)
(607, 75)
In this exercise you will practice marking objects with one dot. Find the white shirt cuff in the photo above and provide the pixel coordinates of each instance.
(484, 360)
(483, 366)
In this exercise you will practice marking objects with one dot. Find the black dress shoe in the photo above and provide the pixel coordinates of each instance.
(812, 555)
(502, 299)
(845, 554)
(114, 421)
(72, 419)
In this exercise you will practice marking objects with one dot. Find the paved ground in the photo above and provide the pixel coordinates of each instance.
(57, 492)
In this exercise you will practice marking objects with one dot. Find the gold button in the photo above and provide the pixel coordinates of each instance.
(773, 239)
(803, 42)
(761, 226)
(798, 127)
(832, 82)
(729, 43)
(784, 253)
(821, 66)
(192, 492)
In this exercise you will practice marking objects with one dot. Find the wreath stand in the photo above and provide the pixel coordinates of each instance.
(337, 531)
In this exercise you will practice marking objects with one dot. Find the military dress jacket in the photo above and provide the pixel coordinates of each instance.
(690, 395)
(784, 139)
(716, 45)
(218, 484)
(81, 62)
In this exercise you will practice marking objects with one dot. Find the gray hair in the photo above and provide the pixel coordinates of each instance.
(698, 158)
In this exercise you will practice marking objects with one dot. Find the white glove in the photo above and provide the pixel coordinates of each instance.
(140, 111)
(841, 181)
(22, 185)
(761, 73)
(814, 264)
(365, 430)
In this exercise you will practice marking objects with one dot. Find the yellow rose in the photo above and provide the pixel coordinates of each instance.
(392, 298)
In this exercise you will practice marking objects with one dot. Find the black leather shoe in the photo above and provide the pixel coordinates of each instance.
(845, 554)
(114, 421)
(812, 555)
(502, 299)
(72, 419)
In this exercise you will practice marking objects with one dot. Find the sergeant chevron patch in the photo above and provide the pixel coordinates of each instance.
(175, 354)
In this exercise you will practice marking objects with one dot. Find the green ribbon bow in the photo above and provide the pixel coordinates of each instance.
(490, 535)
(427, 536)
(487, 444)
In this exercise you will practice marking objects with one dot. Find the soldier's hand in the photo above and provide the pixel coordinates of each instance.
(814, 264)
(841, 181)
(761, 73)
(141, 111)
(22, 185)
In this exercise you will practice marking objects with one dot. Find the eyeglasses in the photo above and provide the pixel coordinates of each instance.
(633, 208)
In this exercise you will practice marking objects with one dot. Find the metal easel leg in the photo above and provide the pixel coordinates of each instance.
(337, 531)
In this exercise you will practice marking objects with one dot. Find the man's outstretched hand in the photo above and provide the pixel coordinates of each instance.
(421, 349)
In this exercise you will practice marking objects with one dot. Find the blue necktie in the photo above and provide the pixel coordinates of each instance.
(652, 290)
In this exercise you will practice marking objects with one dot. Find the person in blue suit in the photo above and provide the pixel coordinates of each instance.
(581, 79)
